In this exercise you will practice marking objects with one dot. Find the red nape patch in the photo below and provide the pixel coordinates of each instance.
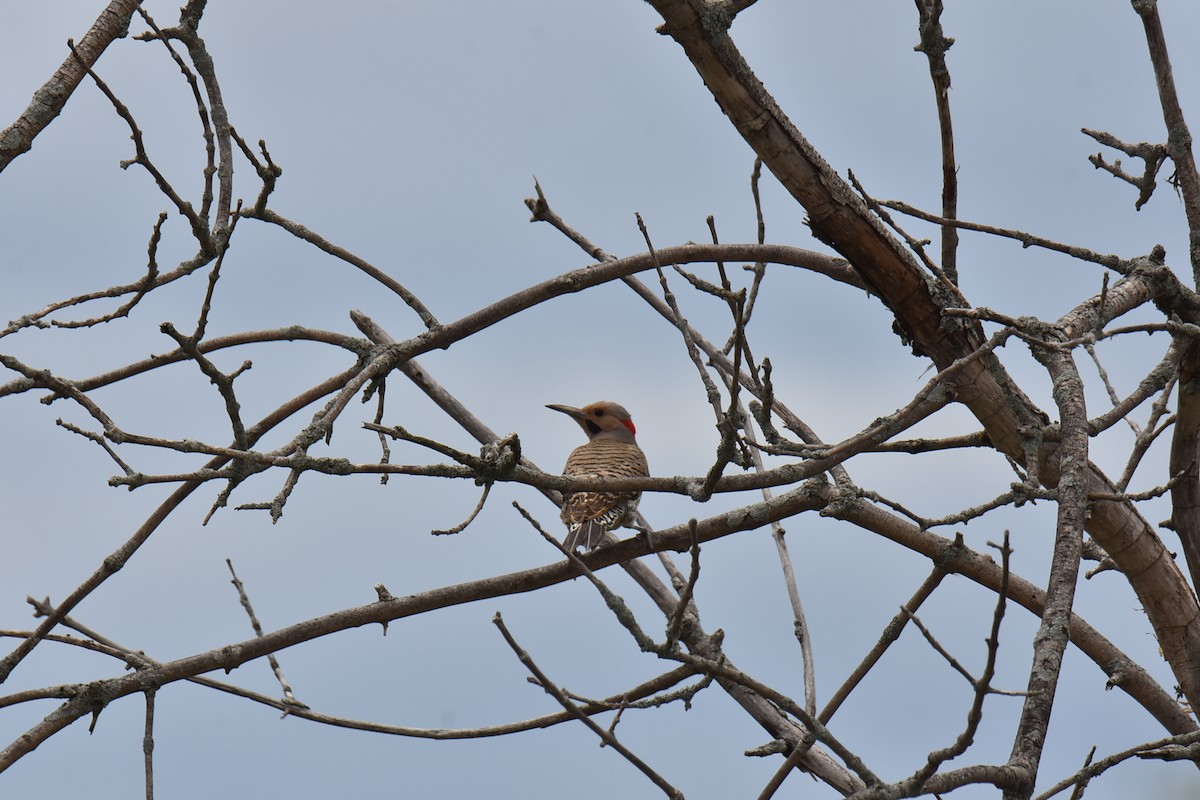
(628, 423)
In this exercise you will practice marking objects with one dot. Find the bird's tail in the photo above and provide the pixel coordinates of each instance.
(588, 534)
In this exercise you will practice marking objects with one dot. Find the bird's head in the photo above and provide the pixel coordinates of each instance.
(601, 420)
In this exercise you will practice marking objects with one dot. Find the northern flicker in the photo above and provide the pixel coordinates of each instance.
(611, 452)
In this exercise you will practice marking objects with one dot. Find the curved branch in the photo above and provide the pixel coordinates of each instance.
(353, 344)
(98, 694)
(812, 496)
(641, 695)
(444, 336)
(301, 232)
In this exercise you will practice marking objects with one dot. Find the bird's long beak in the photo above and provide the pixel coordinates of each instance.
(570, 411)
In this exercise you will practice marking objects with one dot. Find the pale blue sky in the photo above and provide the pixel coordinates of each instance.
(410, 134)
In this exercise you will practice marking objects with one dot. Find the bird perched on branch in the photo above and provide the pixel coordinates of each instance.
(611, 452)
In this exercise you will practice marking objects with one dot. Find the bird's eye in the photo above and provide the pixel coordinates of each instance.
(599, 412)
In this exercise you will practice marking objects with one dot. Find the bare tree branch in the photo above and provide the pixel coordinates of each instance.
(49, 100)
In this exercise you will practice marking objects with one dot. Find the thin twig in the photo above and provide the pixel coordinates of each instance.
(890, 634)
(148, 743)
(675, 623)
(552, 689)
(982, 686)
(1113, 262)
(934, 44)
(289, 697)
(462, 526)
(199, 226)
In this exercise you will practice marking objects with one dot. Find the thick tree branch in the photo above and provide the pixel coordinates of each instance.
(1050, 642)
(49, 100)
(840, 218)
